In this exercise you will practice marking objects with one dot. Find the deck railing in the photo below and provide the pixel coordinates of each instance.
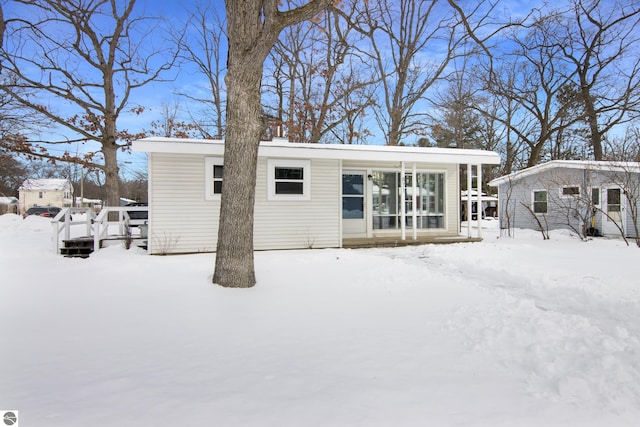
(63, 222)
(100, 227)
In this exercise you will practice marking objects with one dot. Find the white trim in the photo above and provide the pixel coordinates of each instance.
(288, 163)
(403, 203)
(479, 207)
(209, 162)
(150, 198)
(469, 204)
(339, 210)
(414, 204)
(292, 150)
(592, 165)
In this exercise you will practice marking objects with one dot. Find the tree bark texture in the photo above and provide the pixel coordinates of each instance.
(234, 255)
(253, 27)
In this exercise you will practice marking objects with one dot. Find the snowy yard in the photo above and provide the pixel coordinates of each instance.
(508, 332)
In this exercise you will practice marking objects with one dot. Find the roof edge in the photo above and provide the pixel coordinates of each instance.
(597, 165)
(338, 151)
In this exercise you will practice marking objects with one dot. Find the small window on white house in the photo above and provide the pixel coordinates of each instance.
(288, 179)
(40, 195)
(540, 202)
(213, 175)
(595, 196)
(570, 191)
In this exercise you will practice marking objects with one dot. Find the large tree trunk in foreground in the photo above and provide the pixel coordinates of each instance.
(234, 255)
(253, 27)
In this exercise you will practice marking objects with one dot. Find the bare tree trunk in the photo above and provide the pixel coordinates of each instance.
(234, 255)
(253, 28)
(592, 119)
(85, 47)
(536, 151)
(111, 181)
(1, 27)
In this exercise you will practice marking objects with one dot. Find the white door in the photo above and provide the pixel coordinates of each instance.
(354, 223)
(614, 218)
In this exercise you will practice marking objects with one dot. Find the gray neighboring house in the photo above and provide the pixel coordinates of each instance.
(587, 197)
(307, 195)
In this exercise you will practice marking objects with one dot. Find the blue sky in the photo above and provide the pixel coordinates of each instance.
(153, 96)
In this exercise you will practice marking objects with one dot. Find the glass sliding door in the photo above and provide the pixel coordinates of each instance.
(385, 195)
(432, 198)
(388, 196)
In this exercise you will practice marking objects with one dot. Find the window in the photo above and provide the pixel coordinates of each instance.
(572, 191)
(613, 200)
(388, 199)
(288, 179)
(217, 179)
(352, 196)
(40, 195)
(213, 175)
(595, 196)
(540, 202)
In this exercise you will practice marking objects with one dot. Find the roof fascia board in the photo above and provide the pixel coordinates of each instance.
(592, 165)
(324, 151)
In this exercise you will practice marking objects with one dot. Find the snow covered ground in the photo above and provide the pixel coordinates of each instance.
(507, 332)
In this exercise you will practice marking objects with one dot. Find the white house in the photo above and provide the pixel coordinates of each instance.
(45, 192)
(588, 197)
(307, 195)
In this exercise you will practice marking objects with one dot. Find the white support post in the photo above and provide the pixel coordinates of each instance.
(67, 224)
(480, 209)
(469, 206)
(56, 237)
(90, 217)
(414, 205)
(403, 210)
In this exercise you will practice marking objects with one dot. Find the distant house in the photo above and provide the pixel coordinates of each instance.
(45, 192)
(8, 205)
(489, 205)
(84, 202)
(588, 197)
(307, 195)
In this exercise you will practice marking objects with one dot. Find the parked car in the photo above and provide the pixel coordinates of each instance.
(46, 211)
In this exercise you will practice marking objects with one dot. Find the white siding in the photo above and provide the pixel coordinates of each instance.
(289, 224)
(182, 221)
(180, 217)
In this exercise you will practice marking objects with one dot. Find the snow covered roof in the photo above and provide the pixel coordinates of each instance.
(474, 196)
(8, 200)
(53, 184)
(284, 149)
(592, 165)
(86, 200)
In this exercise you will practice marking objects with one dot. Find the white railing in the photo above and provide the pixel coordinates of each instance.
(64, 221)
(99, 227)
(102, 225)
